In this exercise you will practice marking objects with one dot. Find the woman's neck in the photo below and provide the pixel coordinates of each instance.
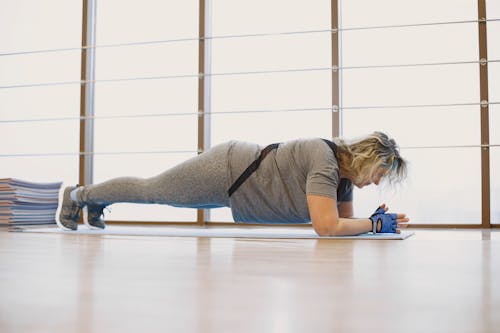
(343, 171)
(344, 174)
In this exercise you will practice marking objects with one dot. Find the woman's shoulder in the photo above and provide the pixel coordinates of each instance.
(310, 151)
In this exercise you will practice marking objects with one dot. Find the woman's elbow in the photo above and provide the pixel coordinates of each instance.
(326, 228)
(323, 232)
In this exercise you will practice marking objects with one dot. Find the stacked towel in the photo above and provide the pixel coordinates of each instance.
(27, 203)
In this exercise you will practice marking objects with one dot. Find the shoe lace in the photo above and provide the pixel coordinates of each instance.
(75, 213)
(105, 208)
(97, 211)
(75, 210)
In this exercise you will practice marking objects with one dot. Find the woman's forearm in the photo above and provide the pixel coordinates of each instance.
(350, 227)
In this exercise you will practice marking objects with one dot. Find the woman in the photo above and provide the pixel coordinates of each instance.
(299, 181)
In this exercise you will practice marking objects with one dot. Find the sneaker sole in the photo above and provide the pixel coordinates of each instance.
(59, 207)
(86, 219)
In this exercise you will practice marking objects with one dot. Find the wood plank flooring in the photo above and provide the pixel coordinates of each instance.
(435, 281)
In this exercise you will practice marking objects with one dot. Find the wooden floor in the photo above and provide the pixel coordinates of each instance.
(435, 281)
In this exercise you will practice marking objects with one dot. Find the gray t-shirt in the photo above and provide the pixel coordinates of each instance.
(276, 192)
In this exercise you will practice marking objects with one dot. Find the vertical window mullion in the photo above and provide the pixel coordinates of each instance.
(484, 112)
(204, 87)
(335, 66)
(86, 158)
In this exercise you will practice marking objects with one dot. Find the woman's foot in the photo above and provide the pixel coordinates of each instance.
(92, 216)
(68, 211)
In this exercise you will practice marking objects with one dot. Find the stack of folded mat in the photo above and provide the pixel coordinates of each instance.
(27, 203)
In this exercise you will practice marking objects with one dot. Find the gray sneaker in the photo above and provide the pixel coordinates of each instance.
(92, 216)
(68, 211)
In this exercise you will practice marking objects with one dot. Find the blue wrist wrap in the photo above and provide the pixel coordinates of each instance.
(388, 221)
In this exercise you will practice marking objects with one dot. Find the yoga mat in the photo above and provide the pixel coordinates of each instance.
(228, 232)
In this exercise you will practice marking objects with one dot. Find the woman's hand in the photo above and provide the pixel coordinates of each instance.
(401, 220)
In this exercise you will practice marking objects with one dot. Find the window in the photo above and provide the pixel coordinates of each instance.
(271, 81)
(46, 150)
(493, 12)
(428, 136)
(147, 140)
(286, 91)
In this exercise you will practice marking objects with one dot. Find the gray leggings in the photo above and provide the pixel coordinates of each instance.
(200, 182)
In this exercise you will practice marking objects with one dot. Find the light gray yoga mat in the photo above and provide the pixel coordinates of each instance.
(228, 232)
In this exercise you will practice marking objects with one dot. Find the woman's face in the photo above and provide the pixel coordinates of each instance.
(371, 175)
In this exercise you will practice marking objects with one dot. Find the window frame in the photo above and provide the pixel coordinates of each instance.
(204, 96)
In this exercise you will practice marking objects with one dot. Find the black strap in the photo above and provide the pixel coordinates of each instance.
(251, 168)
(332, 146)
(255, 164)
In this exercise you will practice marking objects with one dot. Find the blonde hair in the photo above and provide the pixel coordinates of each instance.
(372, 151)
